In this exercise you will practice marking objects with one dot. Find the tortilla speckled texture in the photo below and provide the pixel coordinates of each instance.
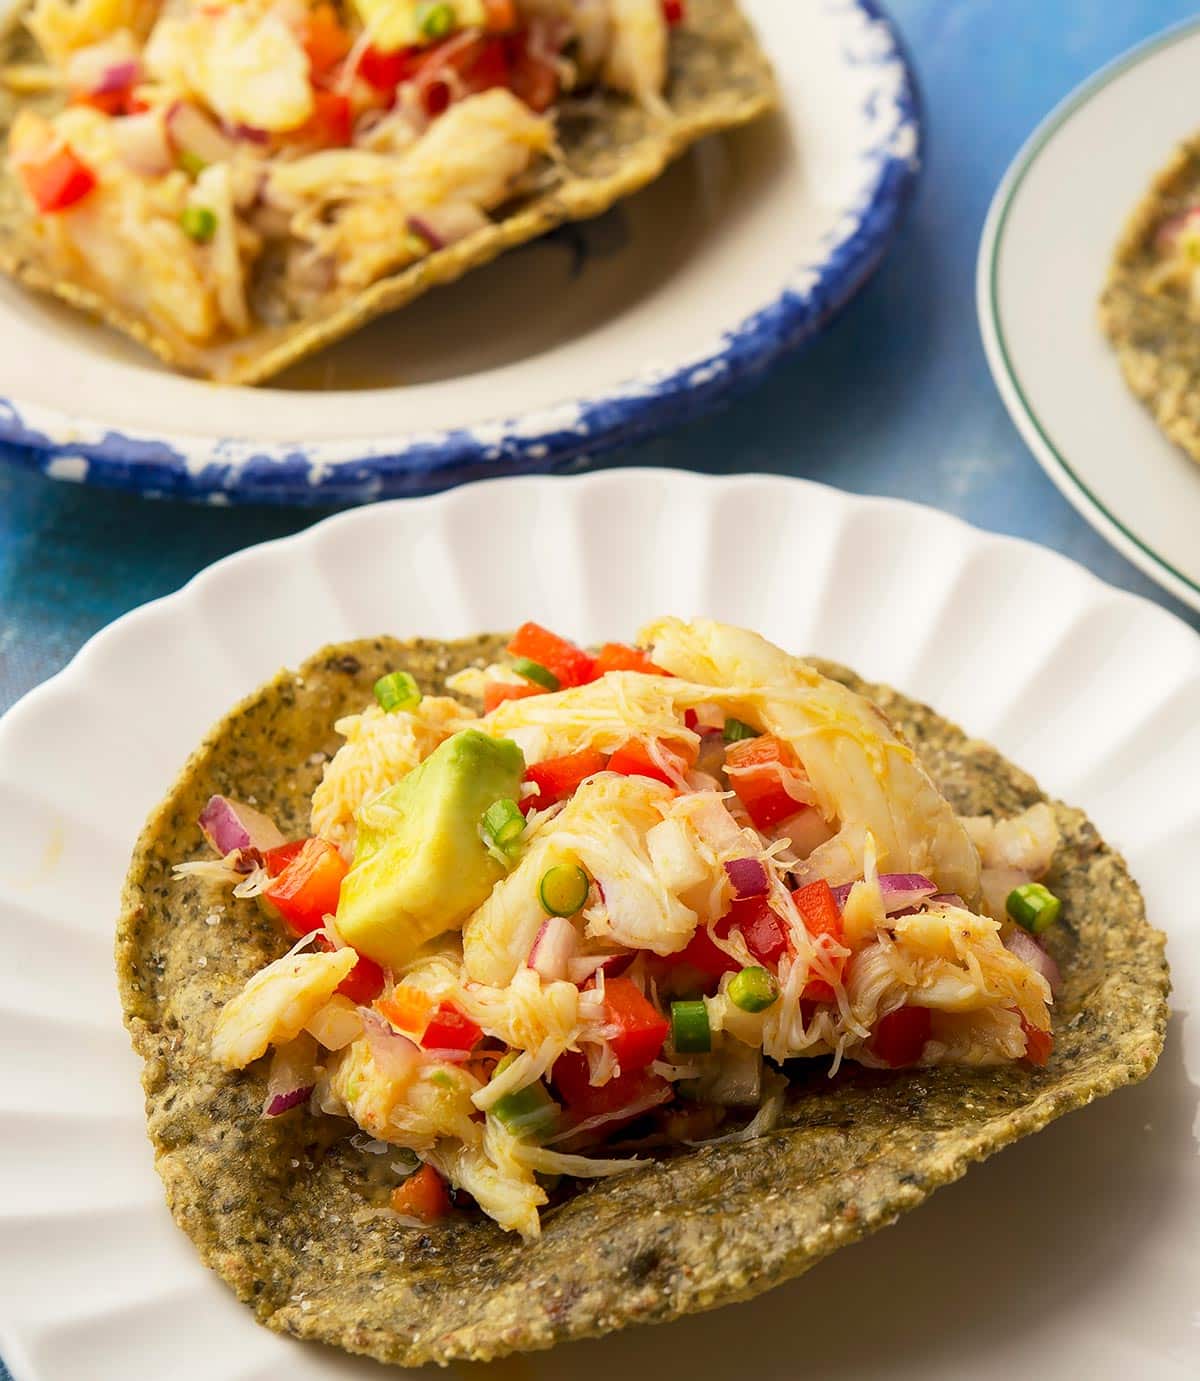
(719, 79)
(306, 1249)
(1156, 338)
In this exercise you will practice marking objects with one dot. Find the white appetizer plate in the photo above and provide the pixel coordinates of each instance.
(611, 330)
(1072, 1254)
(1047, 244)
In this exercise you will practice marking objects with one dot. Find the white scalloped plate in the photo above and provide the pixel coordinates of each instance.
(1072, 1254)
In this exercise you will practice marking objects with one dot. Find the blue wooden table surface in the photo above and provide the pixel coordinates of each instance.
(896, 399)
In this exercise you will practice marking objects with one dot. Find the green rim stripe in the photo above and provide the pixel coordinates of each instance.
(1055, 122)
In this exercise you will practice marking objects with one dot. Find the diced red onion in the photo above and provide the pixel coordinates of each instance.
(191, 131)
(119, 77)
(556, 944)
(104, 67)
(229, 825)
(447, 224)
(141, 141)
(733, 1079)
(395, 1054)
(249, 135)
(586, 966)
(1027, 949)
(709, 716)
(749, 877)
(285, 1102)
(447, 1057)
(901, 891)
(947, 899)
(245, 861)
(1166, 237)
(292, 1076)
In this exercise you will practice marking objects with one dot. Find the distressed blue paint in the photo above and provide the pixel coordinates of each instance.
(895, 398)
(642, 407)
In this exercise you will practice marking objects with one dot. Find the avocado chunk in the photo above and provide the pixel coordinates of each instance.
(420, 865)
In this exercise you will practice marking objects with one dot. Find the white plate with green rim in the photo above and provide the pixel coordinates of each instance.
(1047, 244)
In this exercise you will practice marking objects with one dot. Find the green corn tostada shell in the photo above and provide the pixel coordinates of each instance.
(285, 1210)
(719, 79)
(1156, 339)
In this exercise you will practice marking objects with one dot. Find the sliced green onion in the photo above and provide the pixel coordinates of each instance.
(753, 990)
(504, 824)
(563, 889)
(690, 1031)
(435, 20)
(537, 673)
(198, 223)
(1033, 906)
(191, 163)
(397, 691)
(529, 1113)
(737, 729)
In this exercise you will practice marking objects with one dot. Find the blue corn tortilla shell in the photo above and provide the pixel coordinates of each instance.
(288, 1211)
(1155, 334)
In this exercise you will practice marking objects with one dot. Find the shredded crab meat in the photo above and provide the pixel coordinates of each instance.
(276, 1004)
(655, 856)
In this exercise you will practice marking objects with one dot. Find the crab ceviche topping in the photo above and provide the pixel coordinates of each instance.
(219, 163)
(596, 914)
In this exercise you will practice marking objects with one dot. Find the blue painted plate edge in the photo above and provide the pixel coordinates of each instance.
(542, 443)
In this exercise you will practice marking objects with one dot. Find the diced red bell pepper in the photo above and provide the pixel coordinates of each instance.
(107, 102)
(1038, 1044)
(674, 12)
(423, 1195)
(326, 41)
(439, 1026)
(480, 67)
(276, 860)
(332, 122)
(822, 916)
(408, 1009)
(570, 1078)
(819, 910)
(531, 78)
(558, 778)
(385, 71)
(454, 67)
(622, 657)
(900, 1037)
(308, 887)
(633, 759)
(762, 928)
(756, 763)
(499, 16)
(640, 1029)
(450, 1029)
(363, 984)
(701, 953)
(568, 663)
(57, 180)
(497, 692)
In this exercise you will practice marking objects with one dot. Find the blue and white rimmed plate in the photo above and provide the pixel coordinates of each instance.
(1047, 245)
(1072, 1254)
(600, 334)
